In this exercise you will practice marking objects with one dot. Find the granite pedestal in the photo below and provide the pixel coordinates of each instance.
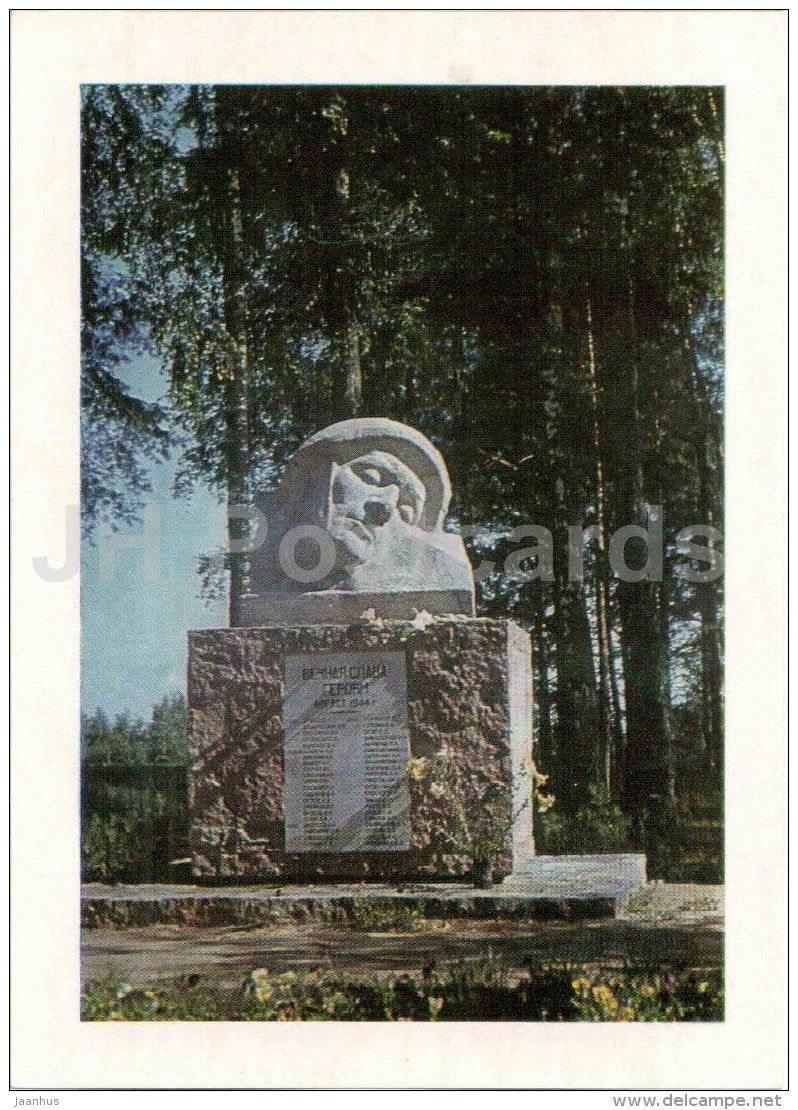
(269, 711)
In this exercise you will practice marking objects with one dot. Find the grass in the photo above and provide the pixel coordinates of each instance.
(657, 903)
(385, 916)
(482, 991)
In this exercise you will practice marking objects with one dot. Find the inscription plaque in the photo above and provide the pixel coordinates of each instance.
(346, 752)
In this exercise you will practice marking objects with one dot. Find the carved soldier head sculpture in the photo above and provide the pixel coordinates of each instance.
(360, 510)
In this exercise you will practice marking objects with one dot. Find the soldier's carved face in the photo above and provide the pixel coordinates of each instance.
(371, 498)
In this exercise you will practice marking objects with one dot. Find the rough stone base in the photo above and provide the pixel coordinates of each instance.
(468, 687)
(123, 907)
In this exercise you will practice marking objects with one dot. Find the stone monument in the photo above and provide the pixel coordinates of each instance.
(357, 524)
(362, 722)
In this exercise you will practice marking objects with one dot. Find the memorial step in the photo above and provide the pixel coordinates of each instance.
(518, 897)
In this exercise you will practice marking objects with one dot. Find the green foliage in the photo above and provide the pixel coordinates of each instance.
(132, 742)
(465, 809)
(111, 847)
(599, 826)
(166, 735)
(482, 991)
(531, 276)
(135, 813)
(114, 1000)
(385, 916)
(132, 835)
(131, 831)
(689, 847)
(643, 996)
(120, 434)
(674, 861)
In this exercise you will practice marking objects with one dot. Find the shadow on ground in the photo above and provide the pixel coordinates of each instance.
(674, 926)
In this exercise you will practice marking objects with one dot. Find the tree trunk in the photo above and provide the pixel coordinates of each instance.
(576, 733)
(542, 684)
(577, 729)
(648, 781)
(238, 498)
(663, 594)
(619, 755)
(350, 384)
(707, 593)
(711, 680)
(648, 785)
(236, 390)
(348, 375)
(609, 719)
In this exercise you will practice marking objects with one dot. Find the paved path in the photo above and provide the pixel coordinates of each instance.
(680, 923)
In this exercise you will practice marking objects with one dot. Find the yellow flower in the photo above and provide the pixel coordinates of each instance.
(545, 802)
(604, 996)
(417, 768)
(259, 984)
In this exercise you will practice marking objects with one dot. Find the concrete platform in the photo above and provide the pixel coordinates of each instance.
(596, 876)
(553, 887)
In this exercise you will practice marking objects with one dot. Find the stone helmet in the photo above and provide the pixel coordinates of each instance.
(349, 439)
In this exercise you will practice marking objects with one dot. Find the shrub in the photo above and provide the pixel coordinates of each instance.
(598, 826)
(111, 847)
(385, 916)
(113, 1000)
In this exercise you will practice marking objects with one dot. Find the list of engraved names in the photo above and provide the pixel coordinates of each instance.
(346, 752)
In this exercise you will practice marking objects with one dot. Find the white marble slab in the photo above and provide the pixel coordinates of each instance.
(346, 752)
